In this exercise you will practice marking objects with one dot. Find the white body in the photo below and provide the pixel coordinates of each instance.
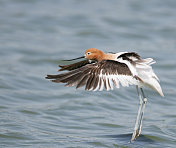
(143, 70)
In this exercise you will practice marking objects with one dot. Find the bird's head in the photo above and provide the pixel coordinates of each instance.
(91, 54)
(94, 54)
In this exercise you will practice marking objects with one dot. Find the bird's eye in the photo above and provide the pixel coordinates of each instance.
(88, 53)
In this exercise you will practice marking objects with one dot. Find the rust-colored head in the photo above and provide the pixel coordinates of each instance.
(94, 54)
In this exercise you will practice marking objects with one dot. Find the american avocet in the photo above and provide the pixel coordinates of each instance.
(102, 70)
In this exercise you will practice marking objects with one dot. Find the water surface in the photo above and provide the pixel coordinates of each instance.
(37, 34)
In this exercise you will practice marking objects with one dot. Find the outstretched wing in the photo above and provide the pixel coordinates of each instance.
(74, 65)
(97, 76)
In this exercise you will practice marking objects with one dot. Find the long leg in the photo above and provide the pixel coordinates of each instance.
(142, 114)
(136, 128)
(142, 103)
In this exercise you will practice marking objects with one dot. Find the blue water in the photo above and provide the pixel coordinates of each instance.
(35, 35)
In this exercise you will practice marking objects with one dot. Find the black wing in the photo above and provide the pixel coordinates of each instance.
(130, 56)
(97, 76)
(75, 65)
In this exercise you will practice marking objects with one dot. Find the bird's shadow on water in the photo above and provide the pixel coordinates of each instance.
(125, 139)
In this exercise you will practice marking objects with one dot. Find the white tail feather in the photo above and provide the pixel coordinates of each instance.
(147, 75)
(153, 84)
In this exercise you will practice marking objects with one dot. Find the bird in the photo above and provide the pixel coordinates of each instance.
(105, 71)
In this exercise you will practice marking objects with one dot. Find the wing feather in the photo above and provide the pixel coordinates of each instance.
(74, 65)
(96, 76)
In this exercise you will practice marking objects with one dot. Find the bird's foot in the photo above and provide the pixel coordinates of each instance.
(135, 135)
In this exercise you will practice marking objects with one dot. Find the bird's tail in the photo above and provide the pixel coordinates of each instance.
(154, 84)
(147, 75)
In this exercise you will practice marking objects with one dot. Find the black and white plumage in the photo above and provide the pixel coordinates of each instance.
(124, 69)
(104, 71)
